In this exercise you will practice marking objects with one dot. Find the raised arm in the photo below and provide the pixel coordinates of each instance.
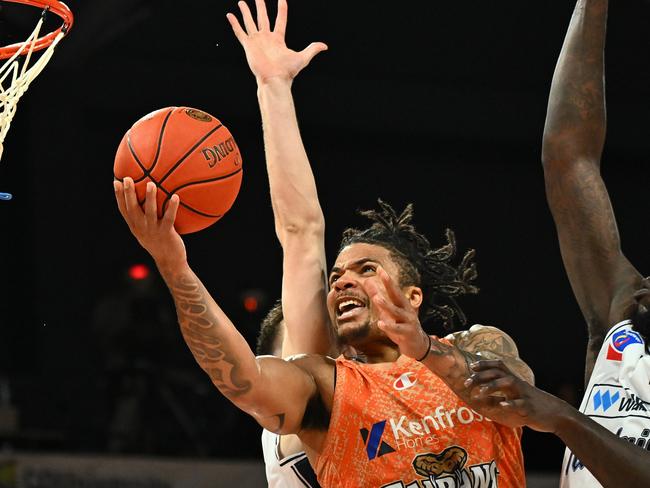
(299, 221)
(251, 384)
(602, 278)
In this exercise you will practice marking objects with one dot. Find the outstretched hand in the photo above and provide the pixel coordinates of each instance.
(157, 236)
(266, 51)
(505, 398)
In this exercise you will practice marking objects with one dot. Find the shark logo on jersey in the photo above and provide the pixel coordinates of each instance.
(619, 341)
(447, 470)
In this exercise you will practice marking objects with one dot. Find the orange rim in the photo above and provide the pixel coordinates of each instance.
(59, 8)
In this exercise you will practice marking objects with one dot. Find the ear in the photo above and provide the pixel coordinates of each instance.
(414, 296)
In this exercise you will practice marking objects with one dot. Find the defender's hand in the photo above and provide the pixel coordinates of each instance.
(157, 236)
(516, 403)
(266, 52)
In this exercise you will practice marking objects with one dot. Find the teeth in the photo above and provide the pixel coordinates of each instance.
(346, 303)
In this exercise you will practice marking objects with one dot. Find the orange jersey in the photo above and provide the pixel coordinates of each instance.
(398, 425)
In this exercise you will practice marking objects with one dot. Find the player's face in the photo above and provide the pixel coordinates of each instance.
(350, 308)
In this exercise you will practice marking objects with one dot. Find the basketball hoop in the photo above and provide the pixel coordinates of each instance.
(18, 78)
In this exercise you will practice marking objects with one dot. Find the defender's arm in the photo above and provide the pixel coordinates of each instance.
(299, 221)
(600, 275)
(612, 460)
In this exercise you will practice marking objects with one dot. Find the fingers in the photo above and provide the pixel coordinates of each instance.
(506, 386)
(119, 196)
(392, 289)
(312, 50)
(485, 364)
(150, 207)
(236, 27)
(133, 210)
(482, 377)
(170, 214)
(262, 16)
(281, 19)
(249, 23)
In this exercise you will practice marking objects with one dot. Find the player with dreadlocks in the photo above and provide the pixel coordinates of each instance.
(393, 419)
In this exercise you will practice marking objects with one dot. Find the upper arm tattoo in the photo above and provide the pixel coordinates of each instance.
(492, 343)
(204, 336)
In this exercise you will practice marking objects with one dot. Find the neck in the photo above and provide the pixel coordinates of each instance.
(378, 353)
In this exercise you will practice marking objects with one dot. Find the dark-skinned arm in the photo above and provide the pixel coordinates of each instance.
(613, 461)
(602, 279)
(273, 391)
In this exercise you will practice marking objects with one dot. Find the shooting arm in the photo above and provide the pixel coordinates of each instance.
(252, 384)
(600, 275)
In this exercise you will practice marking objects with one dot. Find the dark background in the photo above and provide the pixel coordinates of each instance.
(437, 103)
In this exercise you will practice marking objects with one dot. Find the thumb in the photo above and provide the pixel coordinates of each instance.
(312, 50)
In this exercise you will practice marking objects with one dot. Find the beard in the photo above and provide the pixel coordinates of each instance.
(351, 336)
(641, 323)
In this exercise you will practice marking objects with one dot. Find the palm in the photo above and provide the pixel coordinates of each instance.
(266, 51)
(269, 57)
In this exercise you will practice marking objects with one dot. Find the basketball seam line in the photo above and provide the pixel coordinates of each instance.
(158, 185)
(137, 160)
(180, 161)
(160, 138)
(169, 194)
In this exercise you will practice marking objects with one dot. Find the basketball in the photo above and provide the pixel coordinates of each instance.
(186, 152)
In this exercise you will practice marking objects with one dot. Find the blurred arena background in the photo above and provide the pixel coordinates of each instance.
(440, 104)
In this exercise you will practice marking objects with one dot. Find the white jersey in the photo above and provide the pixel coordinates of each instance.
(617, 397)
(290, 472)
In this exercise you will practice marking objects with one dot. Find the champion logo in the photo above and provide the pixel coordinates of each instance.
(605, 400)
(375, 446)
(406, 380)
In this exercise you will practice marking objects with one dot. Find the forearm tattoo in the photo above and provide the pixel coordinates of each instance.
(204, 336)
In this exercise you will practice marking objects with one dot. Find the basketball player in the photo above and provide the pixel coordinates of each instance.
(608, 441)
(391, 422)
(291, 180)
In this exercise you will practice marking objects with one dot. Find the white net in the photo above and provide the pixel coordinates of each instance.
(15, 79)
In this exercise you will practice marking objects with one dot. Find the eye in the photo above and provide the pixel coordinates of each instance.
(368, 268)
(333, 279)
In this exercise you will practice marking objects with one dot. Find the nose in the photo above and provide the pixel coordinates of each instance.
(344, 282)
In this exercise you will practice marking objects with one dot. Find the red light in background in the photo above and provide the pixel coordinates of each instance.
(139, 272)
(251, 304)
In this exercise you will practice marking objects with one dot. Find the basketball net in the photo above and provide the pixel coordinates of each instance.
(15, 79)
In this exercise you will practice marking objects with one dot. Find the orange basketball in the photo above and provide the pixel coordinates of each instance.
(186, 152)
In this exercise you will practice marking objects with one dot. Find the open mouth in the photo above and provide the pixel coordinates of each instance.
(347, 307)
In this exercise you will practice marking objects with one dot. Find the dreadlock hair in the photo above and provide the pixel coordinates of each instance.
(269, 330)
(430, 269)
